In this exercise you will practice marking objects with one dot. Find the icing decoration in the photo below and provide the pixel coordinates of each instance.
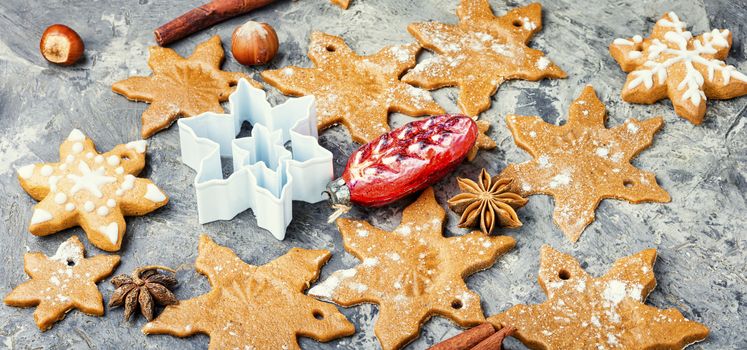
(90, 181)
(39, 216)
(111, 231)
(76, 135)
(26, 171)
(89, 189)
(154, 194)
(139, 146)
(673, 63)
(266, 177)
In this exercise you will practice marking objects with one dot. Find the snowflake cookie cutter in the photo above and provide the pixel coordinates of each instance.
(266, 176)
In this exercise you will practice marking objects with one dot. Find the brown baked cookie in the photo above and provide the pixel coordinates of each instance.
(673, 64)
(343, 4)
(254, 307)
(413, 272)
(91, 190)
(483, 140)
(583, 312)
(582, 162)
(181, 86)
(480, 52)
(355, 91)
(62, 282)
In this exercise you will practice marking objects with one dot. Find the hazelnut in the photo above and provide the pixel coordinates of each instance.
(61, 45)
(254, 43)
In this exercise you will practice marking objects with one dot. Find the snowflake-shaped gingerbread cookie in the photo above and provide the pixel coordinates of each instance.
(90, 189)
(672, 63)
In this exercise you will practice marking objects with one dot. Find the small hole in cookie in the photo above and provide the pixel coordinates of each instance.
(628, 183)
(70, 262)
(330, 48)
(125, 158)
(318, 315)
(564, 274)
(456, 304)
(518, 23)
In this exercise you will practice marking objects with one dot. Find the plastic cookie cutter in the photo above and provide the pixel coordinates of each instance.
(266, 176)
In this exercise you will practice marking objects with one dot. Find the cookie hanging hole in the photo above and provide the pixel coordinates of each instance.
(518, 23)
(628, 183)
(330, 48)
(456, 304)
(318, 315)
(125, 158)
(70, 262)
(564, 274)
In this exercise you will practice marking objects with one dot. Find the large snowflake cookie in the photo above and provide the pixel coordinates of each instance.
(267, 176)
(413, 272)
(95, 191)
(181, 87)
(582, 162)
(62, 282)
(609, 312)
(254, 307)
(480, 52)
(672, 63)
(355, 91)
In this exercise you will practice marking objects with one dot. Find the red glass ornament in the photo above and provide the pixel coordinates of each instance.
(404, 161)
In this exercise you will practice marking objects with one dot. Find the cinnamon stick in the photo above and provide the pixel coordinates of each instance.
(467, 339)
(495, 341)
(203, 17)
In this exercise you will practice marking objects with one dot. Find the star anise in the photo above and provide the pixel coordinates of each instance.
(488, 202)
(141, 289)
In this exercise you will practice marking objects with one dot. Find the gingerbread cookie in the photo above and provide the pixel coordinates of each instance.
(673, 64)
(583, 312)
(480, 52)
(254, 307)
(412, 273)
(483, 140)
(343, 4)
(356, 91)
(582, 162)
(181, 87)
(91, 190)
(62, 282)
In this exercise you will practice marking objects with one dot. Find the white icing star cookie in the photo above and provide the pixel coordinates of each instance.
(672, 63)
(90, 189)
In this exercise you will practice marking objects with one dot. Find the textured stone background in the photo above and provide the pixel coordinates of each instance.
(700, 235)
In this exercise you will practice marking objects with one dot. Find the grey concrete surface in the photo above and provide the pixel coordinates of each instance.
(700, 235)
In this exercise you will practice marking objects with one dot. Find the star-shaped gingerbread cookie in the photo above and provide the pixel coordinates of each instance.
(583, 312)
(480, 53)
(483, 140)
(356, 91)
(91, 190)
(254, 307)
(413, 272)
(582, 162)
(181, 86)
(62, 282)
(673, 64)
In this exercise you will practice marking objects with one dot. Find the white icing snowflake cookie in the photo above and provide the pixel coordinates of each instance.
(90, 189)
(672, 63)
